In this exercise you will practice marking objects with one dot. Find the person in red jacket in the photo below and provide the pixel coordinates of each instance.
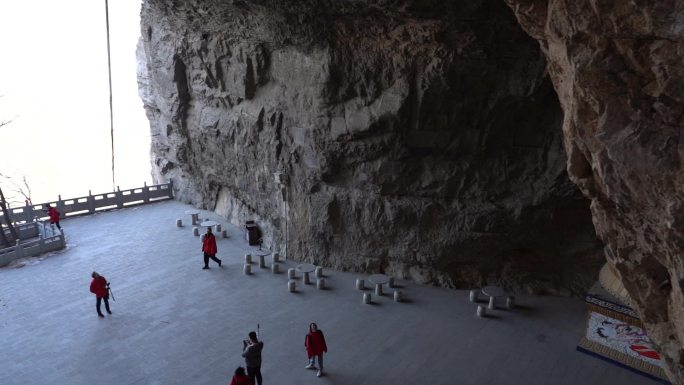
(209, 248)
(54, 216)
(100, 288)
(315, 347)
(240, 378)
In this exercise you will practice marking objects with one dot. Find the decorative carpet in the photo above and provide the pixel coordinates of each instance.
(614, 333)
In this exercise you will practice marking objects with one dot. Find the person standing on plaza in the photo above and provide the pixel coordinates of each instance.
(54, 216)
(251, 350)
(100, 288)
(209, 248)
(315, 347)
(240, 378)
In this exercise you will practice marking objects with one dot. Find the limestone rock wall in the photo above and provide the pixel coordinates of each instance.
(618, 68)
(418, 138)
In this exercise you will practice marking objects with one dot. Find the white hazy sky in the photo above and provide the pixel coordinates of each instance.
(54, 87)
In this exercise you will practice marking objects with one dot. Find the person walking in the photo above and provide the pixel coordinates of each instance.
(209, 248)
(251, 350)
(315, 347)
(100, 288)
(240, 378)
(54, 216)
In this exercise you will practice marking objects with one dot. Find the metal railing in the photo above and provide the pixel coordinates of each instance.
(92, 203)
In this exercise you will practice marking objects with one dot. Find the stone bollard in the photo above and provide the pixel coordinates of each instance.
(359, 284)
(366, 298)
(390, 283)
(491, 303)
(217, 228)
(473, 296)
(262, 261)
(224, 234)
(305, 278)
(290, 273)
(248, 259)
(510, 302)
(248, 269)
(195, 231)
(319, 272)
(195, 219)
(378, 289)
(291, 286)
(275, 268)
(320, 283)
(276, 257)
(179, 222)
(398, 296)
(481, 311)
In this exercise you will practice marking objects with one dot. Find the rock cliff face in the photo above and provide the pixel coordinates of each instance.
(618, 68)
(418, 138)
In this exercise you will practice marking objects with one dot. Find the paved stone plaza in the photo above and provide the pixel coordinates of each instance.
(175, 323)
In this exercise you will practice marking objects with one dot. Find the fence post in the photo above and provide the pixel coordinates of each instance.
(119, 198)
(170, 189)
(41, 244)
(60, 207)
(28, 212)
(91, 202)
(146, 193)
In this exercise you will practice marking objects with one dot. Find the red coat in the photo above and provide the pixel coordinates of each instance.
(54, 215)
(209, 244)
(99, 287)
(240, 380)
(315, 343)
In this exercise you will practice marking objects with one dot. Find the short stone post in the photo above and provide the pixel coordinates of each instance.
(319, 272)
(291, 286)
(276, 257)
(398, 296)
(320, 283)
(248, 269)
(218, 228)
(305, 278)
(290, 273)
(224, 234)
(359, 284)
(275, 268)
(390, 283)
(510, 302)
(491, 303)
(248, 259)
(481, 311)
(179, 222)
(473, 296)
(195, 231)
(19, 249)
(378, 289)
(262, 261)
(366, 298)
(195, 219)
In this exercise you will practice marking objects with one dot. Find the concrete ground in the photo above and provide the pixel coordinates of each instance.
(174, 323)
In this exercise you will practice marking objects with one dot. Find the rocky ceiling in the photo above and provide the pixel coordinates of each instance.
(426, 139)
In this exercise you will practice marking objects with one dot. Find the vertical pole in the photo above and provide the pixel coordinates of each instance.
(111, 103)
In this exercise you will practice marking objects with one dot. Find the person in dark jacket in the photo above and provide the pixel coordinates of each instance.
(100, 288)
(252, 353)
(240, 378)
(54, 216)
(315, 347)
(209, 248)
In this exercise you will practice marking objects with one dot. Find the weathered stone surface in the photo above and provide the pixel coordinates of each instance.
(618, 68)
(417, 138)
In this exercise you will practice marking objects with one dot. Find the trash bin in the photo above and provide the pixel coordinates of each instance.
(252, 233)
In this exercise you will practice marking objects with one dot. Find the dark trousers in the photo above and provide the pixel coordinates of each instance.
(106, 301)
(57, 223)
(253, 373)
(213, 258)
